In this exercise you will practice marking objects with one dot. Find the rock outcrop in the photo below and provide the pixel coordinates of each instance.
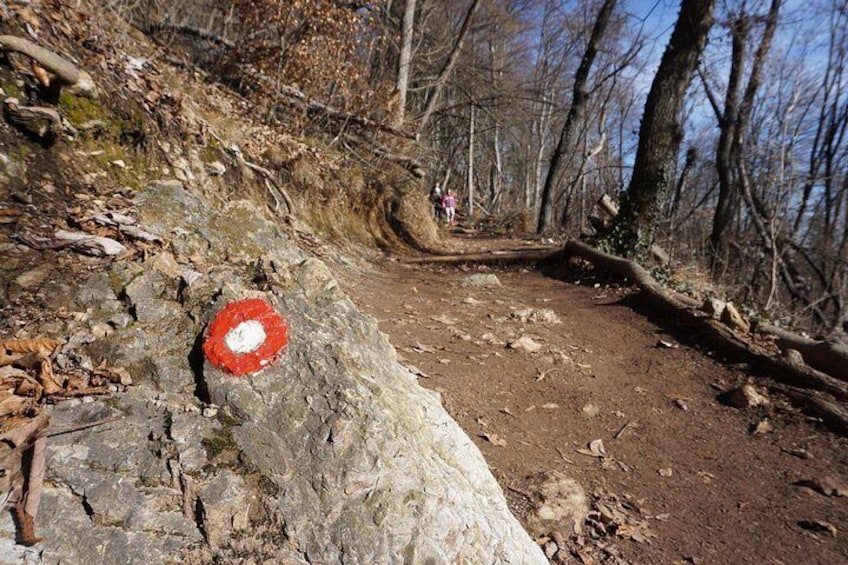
(333, 454)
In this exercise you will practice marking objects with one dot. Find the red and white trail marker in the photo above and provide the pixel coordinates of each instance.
(246, 336)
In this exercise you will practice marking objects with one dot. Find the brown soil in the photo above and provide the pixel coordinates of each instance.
(680, 465)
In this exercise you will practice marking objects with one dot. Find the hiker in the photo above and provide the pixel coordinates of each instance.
(436, 200)
(449, 204)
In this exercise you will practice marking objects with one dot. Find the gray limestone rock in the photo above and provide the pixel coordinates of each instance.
(333, 454)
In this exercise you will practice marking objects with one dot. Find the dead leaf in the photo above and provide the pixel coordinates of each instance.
(117, 375)
(41, 75)
(23, 432)
(47, 379)
(8, 359)
(508, 412)
(762, 427)
(636, 532)
(29, 387)
(596, 449)
(76, 383)
(494, 439)
(9, 215)
(13, 405)
(41, 345)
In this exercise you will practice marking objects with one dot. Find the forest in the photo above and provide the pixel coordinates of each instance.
(531, 110)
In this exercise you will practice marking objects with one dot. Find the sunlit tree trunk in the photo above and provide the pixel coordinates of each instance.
(661, 131)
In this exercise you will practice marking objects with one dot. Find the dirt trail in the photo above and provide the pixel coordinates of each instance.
(691, 481)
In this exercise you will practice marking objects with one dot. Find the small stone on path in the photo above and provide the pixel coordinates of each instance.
(481, 280)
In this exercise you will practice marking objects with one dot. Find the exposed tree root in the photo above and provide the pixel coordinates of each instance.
(493, 257)
(67, 73)
(825, 356)
(730, 344)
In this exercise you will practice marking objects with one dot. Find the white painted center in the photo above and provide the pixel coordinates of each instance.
(245, 337)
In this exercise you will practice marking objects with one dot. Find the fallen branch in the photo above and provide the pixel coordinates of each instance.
(40, 122)
(25, 474)
(271, 183)
(67, 73)
(315, 107)
(79, 427)
(412, 165)
(191, 31)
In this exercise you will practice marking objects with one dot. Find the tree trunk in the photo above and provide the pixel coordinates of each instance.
(728, 197)
(734, 123)
(471, 164)
(404, 63)
(661, 131)
(575, 114)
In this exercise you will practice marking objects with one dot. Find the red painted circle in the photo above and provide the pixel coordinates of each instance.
(276, 337)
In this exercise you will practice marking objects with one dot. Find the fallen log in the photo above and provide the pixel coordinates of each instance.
(726, 341)
(190, 31)
(832, 415)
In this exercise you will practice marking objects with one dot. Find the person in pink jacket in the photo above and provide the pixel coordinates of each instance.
(449, 206)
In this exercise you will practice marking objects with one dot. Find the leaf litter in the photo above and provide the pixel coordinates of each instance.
(28, 382)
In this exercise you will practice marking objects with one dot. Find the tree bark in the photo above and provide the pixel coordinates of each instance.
(661, 131)
(728, 194)
(579, 98)
(470, 171)
(734, 123)
(404, 63)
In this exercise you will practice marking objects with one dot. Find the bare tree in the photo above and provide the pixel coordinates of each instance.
(575, 114)
(447, 68)
(733, 122)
